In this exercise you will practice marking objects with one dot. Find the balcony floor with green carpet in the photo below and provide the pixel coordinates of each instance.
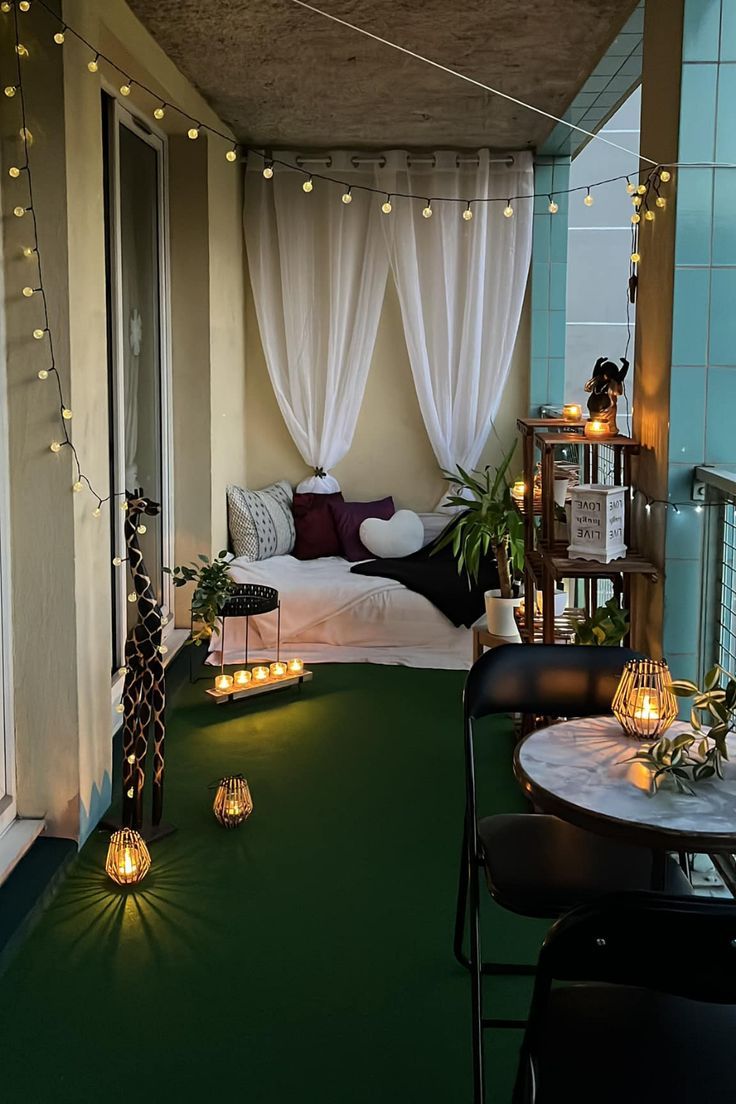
(304, 956)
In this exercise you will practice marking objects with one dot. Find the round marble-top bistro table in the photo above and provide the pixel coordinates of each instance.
(578, 771)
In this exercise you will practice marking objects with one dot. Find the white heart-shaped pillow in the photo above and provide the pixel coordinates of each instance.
(399, 536)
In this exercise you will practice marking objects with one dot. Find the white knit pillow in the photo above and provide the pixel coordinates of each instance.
(261, 522)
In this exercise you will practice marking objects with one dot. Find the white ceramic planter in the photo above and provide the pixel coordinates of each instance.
(500, 616)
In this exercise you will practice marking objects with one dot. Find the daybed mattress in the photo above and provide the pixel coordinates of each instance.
(329, 615)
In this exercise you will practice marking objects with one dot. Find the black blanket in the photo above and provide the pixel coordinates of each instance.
(436, 577)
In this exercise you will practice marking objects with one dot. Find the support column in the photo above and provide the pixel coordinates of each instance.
(549, 285)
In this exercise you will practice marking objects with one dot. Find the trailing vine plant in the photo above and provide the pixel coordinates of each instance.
(213, 585)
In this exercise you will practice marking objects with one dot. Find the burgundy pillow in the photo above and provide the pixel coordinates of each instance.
(316, 534)
(349, 516)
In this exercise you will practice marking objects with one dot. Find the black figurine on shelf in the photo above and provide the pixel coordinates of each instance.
(604, 387)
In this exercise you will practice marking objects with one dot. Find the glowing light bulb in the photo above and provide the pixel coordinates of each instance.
(19, 212)
(467, 214)
(347, 196)
(387, 207)
(553, 207)
(268, 171)
(25, 5)
(635, 258)
(125, 89)
(66, 414)
(5, 7)
(193, 133)
(648, 507)
(14, 171)
(131, 759)
(25, 136)
(698, 509)
(94, 65)
(636, 218)
(55, 446)
(232, 155)
(38, 334)
(59, 38)
(649, 216)
(10, 90)
(636, 201)
(308, 185)
(427, 212)
(77, 487)
(116, 561)
(630, 188)
(28, 292)
(162, 649)
(120, 708)
(43, 374)
(665, 175)
(660, 201)
(588, 201)
(96, 512)
(124, 671)
(642, 189)
(21, 50)
(159, 112)
(132, 596)
(141, 529)
(123, 505)
(28, 251)
(508, 211)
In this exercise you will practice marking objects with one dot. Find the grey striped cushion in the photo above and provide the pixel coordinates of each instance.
(261, 522)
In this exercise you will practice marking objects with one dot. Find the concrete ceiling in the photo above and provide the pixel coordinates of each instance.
(283, 76)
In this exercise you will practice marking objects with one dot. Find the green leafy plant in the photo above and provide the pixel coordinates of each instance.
(491, 521)
(609, 624)
(213, 585)
(697, 755)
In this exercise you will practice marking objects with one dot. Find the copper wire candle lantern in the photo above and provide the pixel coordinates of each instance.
(128, 860)
(233, 803)
(644, 704)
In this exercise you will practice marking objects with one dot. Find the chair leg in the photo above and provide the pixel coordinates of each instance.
(462, 901)
(479, 1094)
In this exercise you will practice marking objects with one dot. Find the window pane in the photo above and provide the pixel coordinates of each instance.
(141, 345)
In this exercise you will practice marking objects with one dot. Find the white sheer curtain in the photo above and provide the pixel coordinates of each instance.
(318, 269)
(461, 286)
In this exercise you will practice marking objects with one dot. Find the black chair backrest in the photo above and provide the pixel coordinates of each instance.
(681, 946)
(558, 680)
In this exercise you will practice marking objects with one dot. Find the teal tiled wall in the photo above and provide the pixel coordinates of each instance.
(703, 383)
(549, 284)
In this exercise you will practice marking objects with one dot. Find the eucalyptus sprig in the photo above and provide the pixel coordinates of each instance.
(699, 754)
(213, 586)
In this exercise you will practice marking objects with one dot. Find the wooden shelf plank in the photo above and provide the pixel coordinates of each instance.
(562, 567)
(550, 439)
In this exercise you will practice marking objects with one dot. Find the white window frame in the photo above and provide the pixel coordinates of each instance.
(8, 808)
(141, 127)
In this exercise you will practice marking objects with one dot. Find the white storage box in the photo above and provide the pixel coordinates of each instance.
(597, 522)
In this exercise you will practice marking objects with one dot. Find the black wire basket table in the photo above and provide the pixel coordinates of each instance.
(252, 600)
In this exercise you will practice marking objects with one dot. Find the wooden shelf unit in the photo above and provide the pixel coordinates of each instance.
(547, 562)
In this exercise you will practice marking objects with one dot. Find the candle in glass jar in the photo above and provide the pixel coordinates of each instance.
(296, 666)
(646, 705)
(224, 683)
(260, 674)
(596, 428)
(242, 678)
(572, 412)
(278, 669)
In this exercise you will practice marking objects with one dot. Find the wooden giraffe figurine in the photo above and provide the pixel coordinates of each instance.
(144, 697)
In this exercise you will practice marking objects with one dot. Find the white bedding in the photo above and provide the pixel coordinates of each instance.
(329, 615)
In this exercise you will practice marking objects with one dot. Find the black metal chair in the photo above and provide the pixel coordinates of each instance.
(635, 1001)
(537, 865)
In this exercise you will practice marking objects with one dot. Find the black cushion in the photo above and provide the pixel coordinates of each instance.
(617, 1045)
(538, 865)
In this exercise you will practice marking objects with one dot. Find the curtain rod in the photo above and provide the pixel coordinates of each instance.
(357, 161)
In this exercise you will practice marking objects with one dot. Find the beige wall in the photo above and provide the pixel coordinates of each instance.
(391, 453)
(61, 553)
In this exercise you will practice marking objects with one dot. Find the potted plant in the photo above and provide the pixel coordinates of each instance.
(213, 585)
(489, 523)
(608, 624)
